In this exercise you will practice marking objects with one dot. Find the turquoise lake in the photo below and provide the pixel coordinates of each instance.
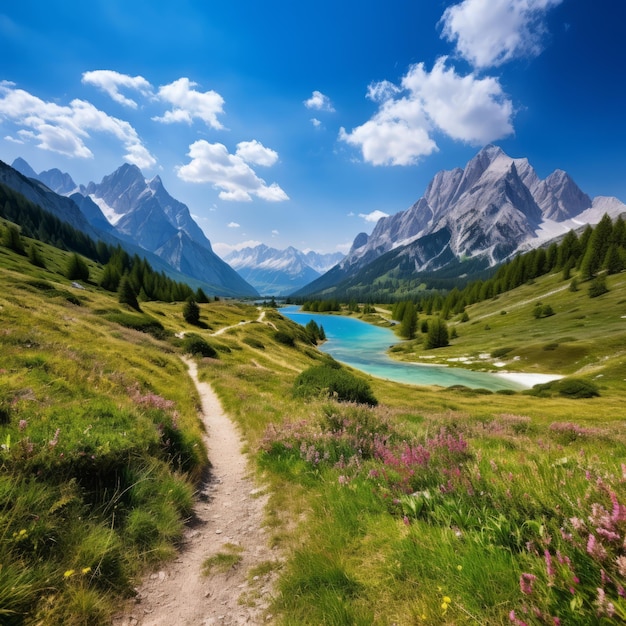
(364, 347)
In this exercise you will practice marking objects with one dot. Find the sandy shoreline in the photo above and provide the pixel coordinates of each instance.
(528, 380)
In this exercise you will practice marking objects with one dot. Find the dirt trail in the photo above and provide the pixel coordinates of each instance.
(229, 511)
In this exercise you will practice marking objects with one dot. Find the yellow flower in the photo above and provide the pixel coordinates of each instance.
(444, 606)
(459, 567)
(85, 570)
(446, 600)
(68, 573)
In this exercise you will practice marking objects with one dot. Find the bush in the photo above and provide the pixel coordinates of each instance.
(597, 287)
(284, 338)
(325, 380)
(574, 388)
(197, 346)
(500, 352)
(142, 323)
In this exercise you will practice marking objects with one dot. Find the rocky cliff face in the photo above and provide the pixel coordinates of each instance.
(493, 207)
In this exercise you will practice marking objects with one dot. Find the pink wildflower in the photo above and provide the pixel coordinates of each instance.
(22, 425)
(549, 566)
(515, 620)
(526, 583)
(595, 549)
(621, 565)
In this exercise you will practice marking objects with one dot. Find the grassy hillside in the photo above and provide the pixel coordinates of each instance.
(583, 337)
(436, 506)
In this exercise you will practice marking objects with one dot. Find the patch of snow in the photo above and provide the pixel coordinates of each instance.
(108, 211)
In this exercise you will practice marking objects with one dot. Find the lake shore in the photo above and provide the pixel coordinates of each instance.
(528, 380)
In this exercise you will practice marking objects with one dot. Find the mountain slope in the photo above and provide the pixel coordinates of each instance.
(203, 268)
(141, 213)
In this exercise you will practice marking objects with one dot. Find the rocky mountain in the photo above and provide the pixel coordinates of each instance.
(125, 207)
(280, 272)
(486, 212)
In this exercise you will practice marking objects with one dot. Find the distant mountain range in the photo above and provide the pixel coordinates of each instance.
(139, 213)
(468, 220)
(280, 272)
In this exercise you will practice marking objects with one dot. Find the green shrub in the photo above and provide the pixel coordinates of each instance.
(142, 323)
(285, 338)
(498, 353)
(254, 343)
(597, 287)
(197, 346)
(325, 380)
(575, 388)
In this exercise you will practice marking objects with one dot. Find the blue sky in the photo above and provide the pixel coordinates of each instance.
(298, 123)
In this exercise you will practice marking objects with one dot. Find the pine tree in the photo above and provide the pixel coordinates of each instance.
(408, 325)
(201, 297)
(191, 311)
(437, 336)
(76, 268)
(126, 295)
(35, 257)
(13, 240)
(613, 262)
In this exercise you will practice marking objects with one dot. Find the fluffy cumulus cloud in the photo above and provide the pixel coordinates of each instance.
(255, 152)
(230, 173)
(65, 128)
(189, 104)
(233, 225)
(489, 33)
(374, 216)
(319, 102)
(111, 82)
(466, 108)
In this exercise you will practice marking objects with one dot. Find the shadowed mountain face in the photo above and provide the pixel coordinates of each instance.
(486, 212)
(138, 212)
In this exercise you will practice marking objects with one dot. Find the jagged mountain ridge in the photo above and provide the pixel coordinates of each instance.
(280, 272)
(488, 211)
(126, 208)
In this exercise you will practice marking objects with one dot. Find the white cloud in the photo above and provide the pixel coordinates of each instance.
(190, 104)
(110, 82)
(234, 225)
(491, 32)
(374, 216)
(319, 102)
(275, 233)
(316, 122)
(236, 180)
(255, 152)
(466, 108)
(344, 247)
(65, 129)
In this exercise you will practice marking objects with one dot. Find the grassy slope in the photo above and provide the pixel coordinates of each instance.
(339, 517)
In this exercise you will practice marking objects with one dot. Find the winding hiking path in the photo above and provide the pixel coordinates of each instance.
(229, 512)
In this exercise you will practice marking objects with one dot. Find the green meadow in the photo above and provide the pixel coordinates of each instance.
(417, 506)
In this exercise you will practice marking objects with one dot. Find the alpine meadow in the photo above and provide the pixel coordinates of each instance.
(388, 503)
